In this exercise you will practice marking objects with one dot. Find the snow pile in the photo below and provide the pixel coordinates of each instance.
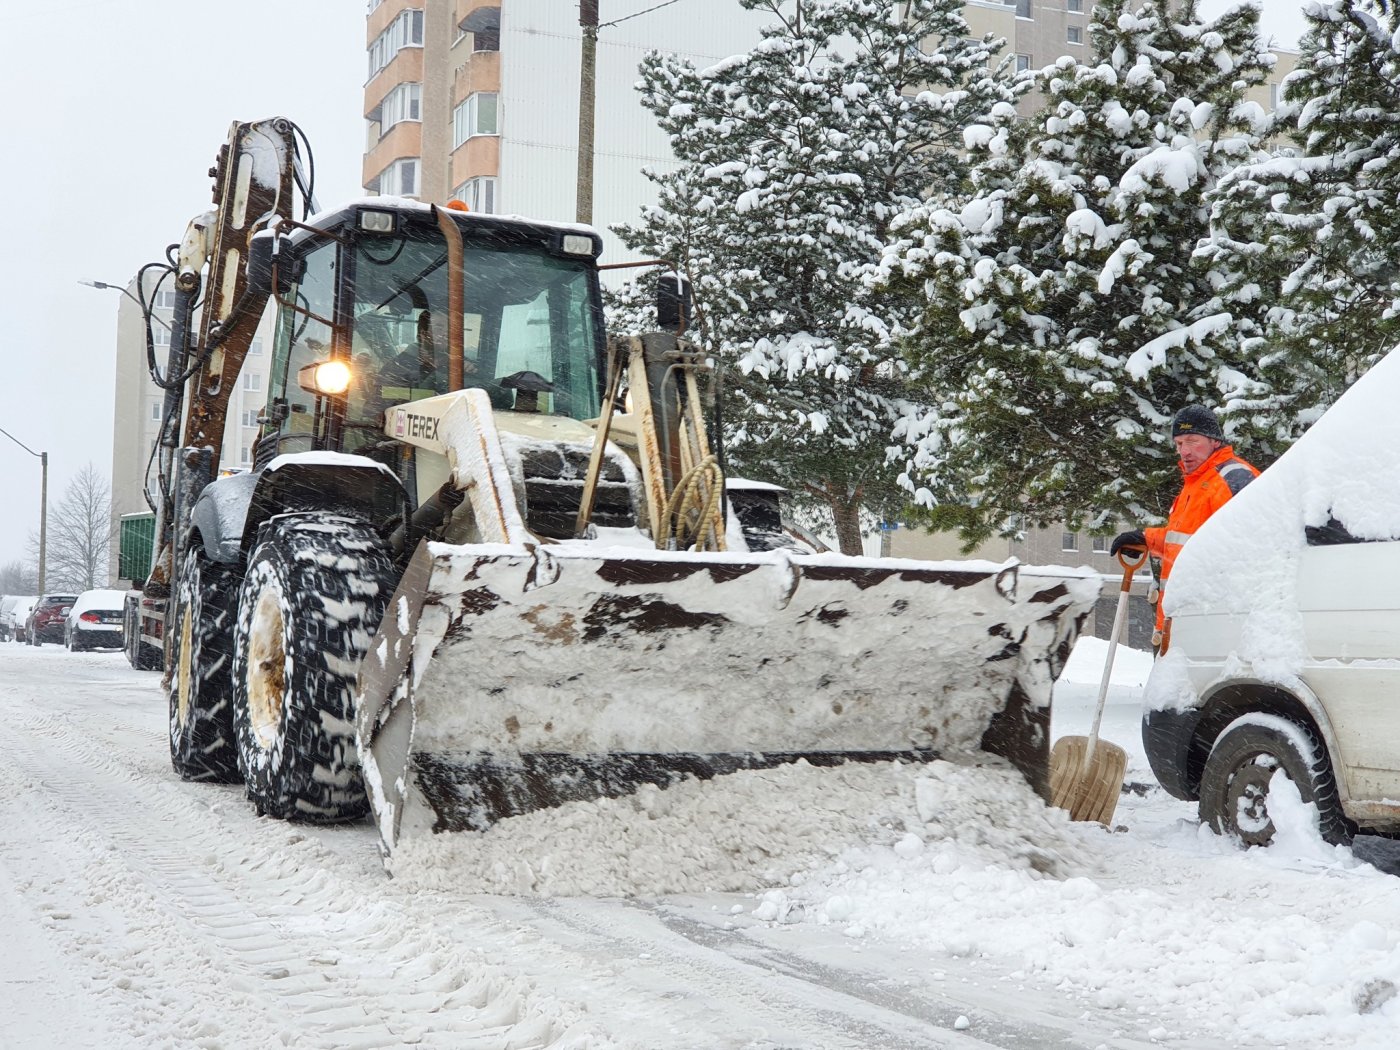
(1149, 930)
(754, 828)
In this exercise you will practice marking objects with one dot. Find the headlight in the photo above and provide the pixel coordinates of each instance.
(325, 377)
(578, 244)
(375, 221)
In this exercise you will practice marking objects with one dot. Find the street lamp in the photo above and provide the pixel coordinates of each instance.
(43, 504)
(104, 286)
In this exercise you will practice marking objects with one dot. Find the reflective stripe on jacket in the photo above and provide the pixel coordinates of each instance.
(1204, 491)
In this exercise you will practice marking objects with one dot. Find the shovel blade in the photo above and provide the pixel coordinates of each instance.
(1086, 793)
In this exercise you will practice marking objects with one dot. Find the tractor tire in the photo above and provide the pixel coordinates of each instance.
(202, 741)
(311, 601)
(149, 658)
(1242, 762)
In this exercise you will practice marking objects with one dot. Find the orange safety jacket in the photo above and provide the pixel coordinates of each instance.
(1204, 491)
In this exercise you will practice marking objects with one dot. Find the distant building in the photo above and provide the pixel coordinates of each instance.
(478, 100)
(138, 403)
(1038, 32)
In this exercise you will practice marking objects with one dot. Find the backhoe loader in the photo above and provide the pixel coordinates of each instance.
(464, 580)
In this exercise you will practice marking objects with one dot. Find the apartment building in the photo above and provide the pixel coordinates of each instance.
(138, 403)
(478, 100)
(1038, 32)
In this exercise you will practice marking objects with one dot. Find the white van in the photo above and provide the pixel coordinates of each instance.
(1284, 650)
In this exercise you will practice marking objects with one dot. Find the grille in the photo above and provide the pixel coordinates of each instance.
(554, 476)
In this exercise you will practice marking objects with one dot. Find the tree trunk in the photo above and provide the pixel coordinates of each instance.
(845, 515)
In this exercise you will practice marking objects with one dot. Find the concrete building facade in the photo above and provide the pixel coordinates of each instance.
(478, 100)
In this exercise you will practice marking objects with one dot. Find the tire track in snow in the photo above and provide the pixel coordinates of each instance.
(806, 1001)
(344, 972)
(797, 1010)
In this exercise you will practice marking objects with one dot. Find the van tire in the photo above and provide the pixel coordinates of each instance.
(1235, 783)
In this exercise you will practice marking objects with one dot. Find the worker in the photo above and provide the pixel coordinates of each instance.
(1212, 475)
(416, 365)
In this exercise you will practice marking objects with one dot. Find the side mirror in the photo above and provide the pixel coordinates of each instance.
(262, 258)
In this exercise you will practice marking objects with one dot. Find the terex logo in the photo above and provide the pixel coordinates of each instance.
(425, 427)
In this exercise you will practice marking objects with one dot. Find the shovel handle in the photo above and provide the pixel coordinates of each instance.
(1132, 558)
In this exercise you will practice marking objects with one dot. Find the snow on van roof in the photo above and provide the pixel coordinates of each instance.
(1245, 558)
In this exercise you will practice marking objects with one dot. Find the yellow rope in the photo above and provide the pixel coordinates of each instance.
(693, 507)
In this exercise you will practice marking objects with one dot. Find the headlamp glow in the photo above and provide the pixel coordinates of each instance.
(325, 377)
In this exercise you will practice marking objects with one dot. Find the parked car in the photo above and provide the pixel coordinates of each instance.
(6, 604)
(95, 621)
(46, 620)
(18, 617)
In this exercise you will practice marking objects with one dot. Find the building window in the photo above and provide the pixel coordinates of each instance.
(1273, 96)
(245, 455)
(476, 116)
(1100, 544)
(403, 103)
(164, 300)
(487, 39)
(1023, 63)
(1023, 7)
(155, 411)
(255, 348)
(1076, 35)
(252, 381)
(478, 194)
(250, 417)
(399, 179)
(1076, 6)
(160, 335)
(404, 31)
(1069, 541)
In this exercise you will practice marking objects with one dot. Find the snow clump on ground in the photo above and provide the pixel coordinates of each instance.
(756, 829)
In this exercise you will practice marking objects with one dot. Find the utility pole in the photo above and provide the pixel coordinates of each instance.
(587, 92)
(43, 519)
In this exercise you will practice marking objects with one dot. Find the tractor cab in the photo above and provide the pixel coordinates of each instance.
(366, 304)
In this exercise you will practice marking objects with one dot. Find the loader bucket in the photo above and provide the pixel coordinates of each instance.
(507, 678)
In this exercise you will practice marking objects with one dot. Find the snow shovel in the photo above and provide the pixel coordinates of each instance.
(1086, 773)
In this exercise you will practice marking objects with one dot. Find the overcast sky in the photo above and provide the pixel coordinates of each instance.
(131, 99)
(116, 109)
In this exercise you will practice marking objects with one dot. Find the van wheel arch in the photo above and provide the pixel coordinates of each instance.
(1230, 702)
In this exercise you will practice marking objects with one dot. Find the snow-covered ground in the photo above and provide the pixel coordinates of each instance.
(874, 907)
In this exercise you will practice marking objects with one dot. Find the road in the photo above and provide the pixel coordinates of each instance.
(148, 912)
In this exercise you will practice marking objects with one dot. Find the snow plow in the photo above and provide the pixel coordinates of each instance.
(461, 583)
(512, 676)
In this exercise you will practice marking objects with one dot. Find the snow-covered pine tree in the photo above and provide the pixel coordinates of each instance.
(793, 160)
(1310, 236)
(1065, 322)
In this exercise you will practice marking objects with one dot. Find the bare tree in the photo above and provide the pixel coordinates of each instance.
(80, 534)
(19, 577)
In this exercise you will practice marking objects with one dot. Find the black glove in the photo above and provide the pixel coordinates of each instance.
(1128, 539)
